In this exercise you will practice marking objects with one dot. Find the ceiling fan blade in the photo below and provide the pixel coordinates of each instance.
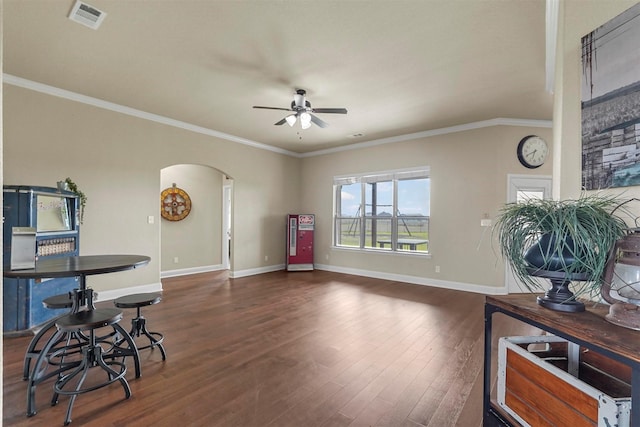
(330, 110)
(281, 122)
(272, 108)
(318, 122)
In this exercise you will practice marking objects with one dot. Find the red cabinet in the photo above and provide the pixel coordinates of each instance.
(300, 229)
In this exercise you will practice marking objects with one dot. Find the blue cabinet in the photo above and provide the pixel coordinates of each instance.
(53, 214)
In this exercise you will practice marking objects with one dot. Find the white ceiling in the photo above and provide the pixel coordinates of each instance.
(399, 67)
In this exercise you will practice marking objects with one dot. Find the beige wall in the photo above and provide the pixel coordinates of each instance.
(116, 160)
(468, 180)
(196, 241)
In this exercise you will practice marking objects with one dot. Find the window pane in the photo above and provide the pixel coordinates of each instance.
(413, 214)
(348, 232)
(413, 233)
(413, 197)
(523, 196)
(350, 200)
(378, 233)
(379, 199)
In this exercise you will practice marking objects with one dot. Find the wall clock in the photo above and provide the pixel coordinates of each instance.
(175, 203)
(532, 151)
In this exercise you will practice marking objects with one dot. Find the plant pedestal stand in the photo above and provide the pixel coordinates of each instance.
(559, 297)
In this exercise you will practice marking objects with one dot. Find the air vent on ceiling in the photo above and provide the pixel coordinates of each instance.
(87, 15)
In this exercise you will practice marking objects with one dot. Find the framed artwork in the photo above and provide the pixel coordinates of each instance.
(611, 103)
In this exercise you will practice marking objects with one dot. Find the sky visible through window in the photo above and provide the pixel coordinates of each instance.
(413, 197)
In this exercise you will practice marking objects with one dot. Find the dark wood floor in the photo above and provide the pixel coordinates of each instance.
(289, 349)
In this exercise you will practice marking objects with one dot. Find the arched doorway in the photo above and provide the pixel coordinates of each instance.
(201, 241)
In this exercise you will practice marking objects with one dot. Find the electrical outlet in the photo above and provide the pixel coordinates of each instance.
(266, 257)
(176, 260)
(150, 219)
(485, 223)
(437, 269)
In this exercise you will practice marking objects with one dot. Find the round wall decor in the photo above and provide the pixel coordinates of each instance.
(175, 203)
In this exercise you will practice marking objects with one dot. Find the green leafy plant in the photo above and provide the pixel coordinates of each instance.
(73, 187)
(585, 228)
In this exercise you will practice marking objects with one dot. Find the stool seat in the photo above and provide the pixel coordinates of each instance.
(137, 300)
(58, 301)
(89, 319)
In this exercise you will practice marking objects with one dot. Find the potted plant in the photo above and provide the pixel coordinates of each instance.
(561, 240)
(73, 187)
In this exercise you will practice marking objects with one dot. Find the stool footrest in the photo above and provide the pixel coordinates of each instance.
(156, 339)
(72, 384)
(113, 377)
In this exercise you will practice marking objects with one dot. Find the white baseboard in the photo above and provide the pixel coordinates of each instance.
(254, 271)
(425, 281)
(111, 294)
(458, 286)
(192, 270)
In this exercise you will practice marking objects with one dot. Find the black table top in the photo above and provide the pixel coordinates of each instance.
(83, 265)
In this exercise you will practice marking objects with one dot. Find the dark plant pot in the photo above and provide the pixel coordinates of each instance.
(545, 256)
(547, 261)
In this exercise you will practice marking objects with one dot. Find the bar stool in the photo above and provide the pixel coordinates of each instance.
(54, 302)
(92, 356)
(139, 323)
(71, 325)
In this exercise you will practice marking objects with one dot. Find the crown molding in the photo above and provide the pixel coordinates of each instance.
(435, 132)
(73, 96)
(95, 102)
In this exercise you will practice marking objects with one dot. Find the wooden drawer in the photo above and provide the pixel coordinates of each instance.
(547, 381)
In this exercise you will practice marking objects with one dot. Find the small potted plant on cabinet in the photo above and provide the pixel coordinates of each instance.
(68, 184)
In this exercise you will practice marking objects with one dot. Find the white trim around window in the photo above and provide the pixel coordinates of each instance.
(386, 211)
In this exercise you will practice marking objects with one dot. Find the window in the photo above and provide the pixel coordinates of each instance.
(524, 195)
(386, 211)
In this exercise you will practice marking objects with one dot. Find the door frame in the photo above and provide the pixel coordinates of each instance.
(515, 183)
(227, 203)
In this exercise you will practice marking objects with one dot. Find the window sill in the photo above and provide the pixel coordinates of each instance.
(424, 255)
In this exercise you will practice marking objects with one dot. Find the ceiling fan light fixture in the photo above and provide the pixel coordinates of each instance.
(305, 120)
(291, 120)
(300, 107)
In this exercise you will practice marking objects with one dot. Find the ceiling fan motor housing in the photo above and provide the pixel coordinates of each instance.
(297, 108)
(299, 100)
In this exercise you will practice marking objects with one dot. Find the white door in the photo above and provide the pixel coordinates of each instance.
(227, 190)
(522, 187)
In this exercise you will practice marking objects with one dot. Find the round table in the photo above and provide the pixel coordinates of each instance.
(79, 266)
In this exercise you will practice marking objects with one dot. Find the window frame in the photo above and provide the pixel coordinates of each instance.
(361, 218)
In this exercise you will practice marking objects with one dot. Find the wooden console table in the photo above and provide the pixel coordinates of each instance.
(588, 329)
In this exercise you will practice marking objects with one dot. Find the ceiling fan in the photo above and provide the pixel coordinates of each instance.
(302, 108)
